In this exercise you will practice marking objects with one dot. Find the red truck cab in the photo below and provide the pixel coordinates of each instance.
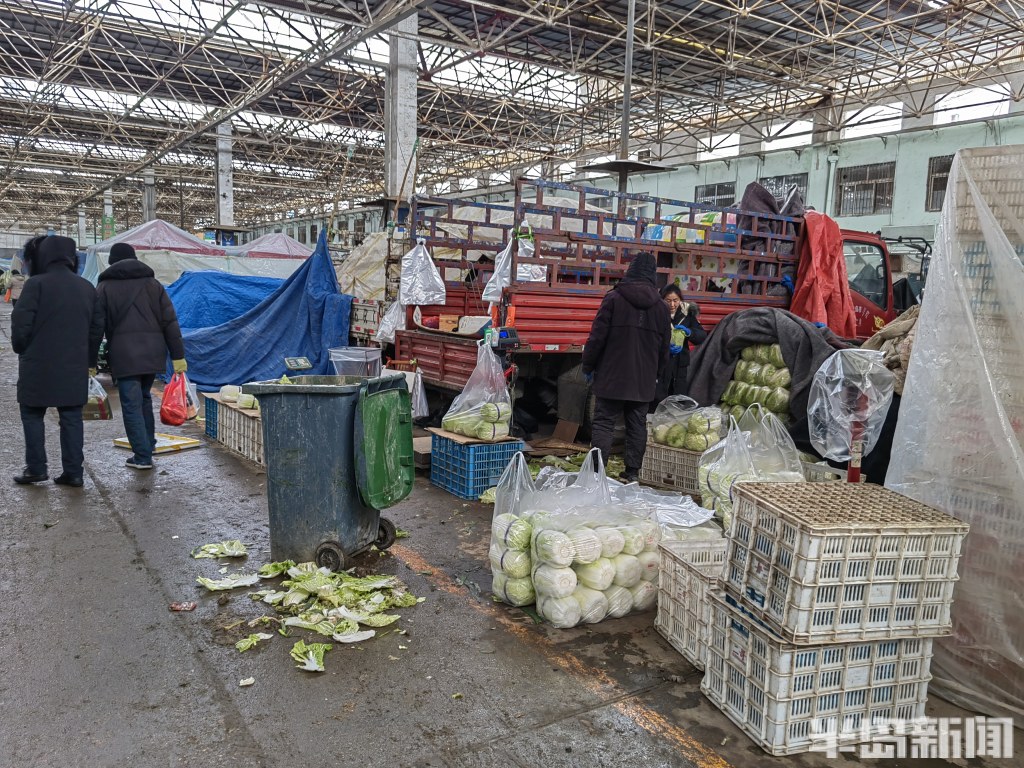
(869, 271)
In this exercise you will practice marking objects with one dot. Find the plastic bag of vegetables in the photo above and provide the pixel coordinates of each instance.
(484, 409)
(679, 423)
(512, 534)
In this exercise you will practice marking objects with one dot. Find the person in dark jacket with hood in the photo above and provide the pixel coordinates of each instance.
(626, 352)
(50, 334)
(135, 313)
(685, 330)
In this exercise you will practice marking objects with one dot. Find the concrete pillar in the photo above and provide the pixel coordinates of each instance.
(400, 111)
(148, 195)
(108, 214)
(826, 119)
(225, 180)
(1016, 82)
(82, 229)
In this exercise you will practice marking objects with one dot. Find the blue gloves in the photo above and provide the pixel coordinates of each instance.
(589, 377)
(685, 330)
(674, 350)
(787, 281)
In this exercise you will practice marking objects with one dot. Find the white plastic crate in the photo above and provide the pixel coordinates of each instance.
(240, 431)
(667, 467)
(841, 562)
(689, 569)
(789, 698)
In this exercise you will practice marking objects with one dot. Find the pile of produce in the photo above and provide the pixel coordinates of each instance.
(578, 568)
(679, 423)
(761, 376)
(487, 421)
(594, 565)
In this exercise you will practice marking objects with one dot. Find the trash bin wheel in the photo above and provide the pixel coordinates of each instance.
(386, 534)
(330, 555)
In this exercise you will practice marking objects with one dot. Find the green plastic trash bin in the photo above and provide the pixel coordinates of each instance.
(338, 449)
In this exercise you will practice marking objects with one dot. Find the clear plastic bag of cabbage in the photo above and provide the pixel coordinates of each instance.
(679, 422)
(594, 555)
(722, 466)
(512, 533)
(484, 408)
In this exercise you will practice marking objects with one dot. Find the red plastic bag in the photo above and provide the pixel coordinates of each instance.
(174, 408)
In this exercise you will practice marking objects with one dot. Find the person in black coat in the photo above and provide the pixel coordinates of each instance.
(625, 354)
(50, 334)
(135, 313)
(685, 330)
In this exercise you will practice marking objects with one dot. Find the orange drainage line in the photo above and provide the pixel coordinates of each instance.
(597, 681)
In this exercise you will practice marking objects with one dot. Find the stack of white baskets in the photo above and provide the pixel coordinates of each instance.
(819, 632)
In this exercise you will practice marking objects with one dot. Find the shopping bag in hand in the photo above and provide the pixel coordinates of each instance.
(174, 408)
(191, 399)
(98, 406)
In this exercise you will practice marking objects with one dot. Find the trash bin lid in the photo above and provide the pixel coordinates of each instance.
(383, 442)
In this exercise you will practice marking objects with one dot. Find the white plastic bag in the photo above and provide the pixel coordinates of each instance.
(98, 406)
(484, 408)
(393, 320)
(502, 274)
(420, 409)
(421, 283)
(849, 398)
(501, 278)
(529, 273)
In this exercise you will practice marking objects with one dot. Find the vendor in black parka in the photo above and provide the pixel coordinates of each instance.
(685, 330)
(50, 334)
(626, 352)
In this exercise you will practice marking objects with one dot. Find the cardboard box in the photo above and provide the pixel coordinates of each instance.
(448, 323)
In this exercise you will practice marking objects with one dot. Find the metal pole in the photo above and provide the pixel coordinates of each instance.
(627, 80)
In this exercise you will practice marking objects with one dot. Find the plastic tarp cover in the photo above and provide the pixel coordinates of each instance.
(168, 266)
(158, 235)
(305, 317)
(362, 272)
(958, 440)
(822, 292)
(206, 299)
(274, 245)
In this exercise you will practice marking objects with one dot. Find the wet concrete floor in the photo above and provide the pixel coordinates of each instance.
(98, 672)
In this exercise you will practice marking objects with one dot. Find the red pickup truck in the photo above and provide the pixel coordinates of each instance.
(723, 259)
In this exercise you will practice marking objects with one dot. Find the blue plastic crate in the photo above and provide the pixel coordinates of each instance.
(211, 417)
(467, 471)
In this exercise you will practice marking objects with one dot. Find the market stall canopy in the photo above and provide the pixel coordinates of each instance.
(305, 317)
(275, 245)
(158, 235)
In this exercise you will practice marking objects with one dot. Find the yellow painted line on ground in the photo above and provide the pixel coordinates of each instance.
(596, 680)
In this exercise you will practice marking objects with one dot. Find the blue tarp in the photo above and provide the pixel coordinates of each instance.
(305, 317)
(208, 298)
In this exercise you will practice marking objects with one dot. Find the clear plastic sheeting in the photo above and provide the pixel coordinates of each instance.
(484, 408)
(421, 282)
(393, 320)
(849, 399)
(958, 441)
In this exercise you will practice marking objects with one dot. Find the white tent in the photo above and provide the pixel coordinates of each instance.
(275, 245)
(171, 251)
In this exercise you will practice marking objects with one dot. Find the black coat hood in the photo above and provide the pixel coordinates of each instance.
(640, 293)
(54, 253)
(126, 269)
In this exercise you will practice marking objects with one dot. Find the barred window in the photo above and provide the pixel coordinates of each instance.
(779, 186)
(938, 175)
(722, 194)
(862, 190)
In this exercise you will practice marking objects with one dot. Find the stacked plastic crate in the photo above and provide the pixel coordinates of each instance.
(833, 593)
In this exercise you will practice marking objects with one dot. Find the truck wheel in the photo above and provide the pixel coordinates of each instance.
(330, 555)
(386, 534)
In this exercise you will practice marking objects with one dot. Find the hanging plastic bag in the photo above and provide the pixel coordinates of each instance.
(191, 399)
(511, 535)
(421, 283)
(484, 409)
(420, 409)
(501, 277)
(529, 273)
(174, 406)
(679, 423)
(848, 402)
(393, 320)
(98, 405)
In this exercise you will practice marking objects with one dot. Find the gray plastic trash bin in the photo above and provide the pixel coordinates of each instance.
(337, 450)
